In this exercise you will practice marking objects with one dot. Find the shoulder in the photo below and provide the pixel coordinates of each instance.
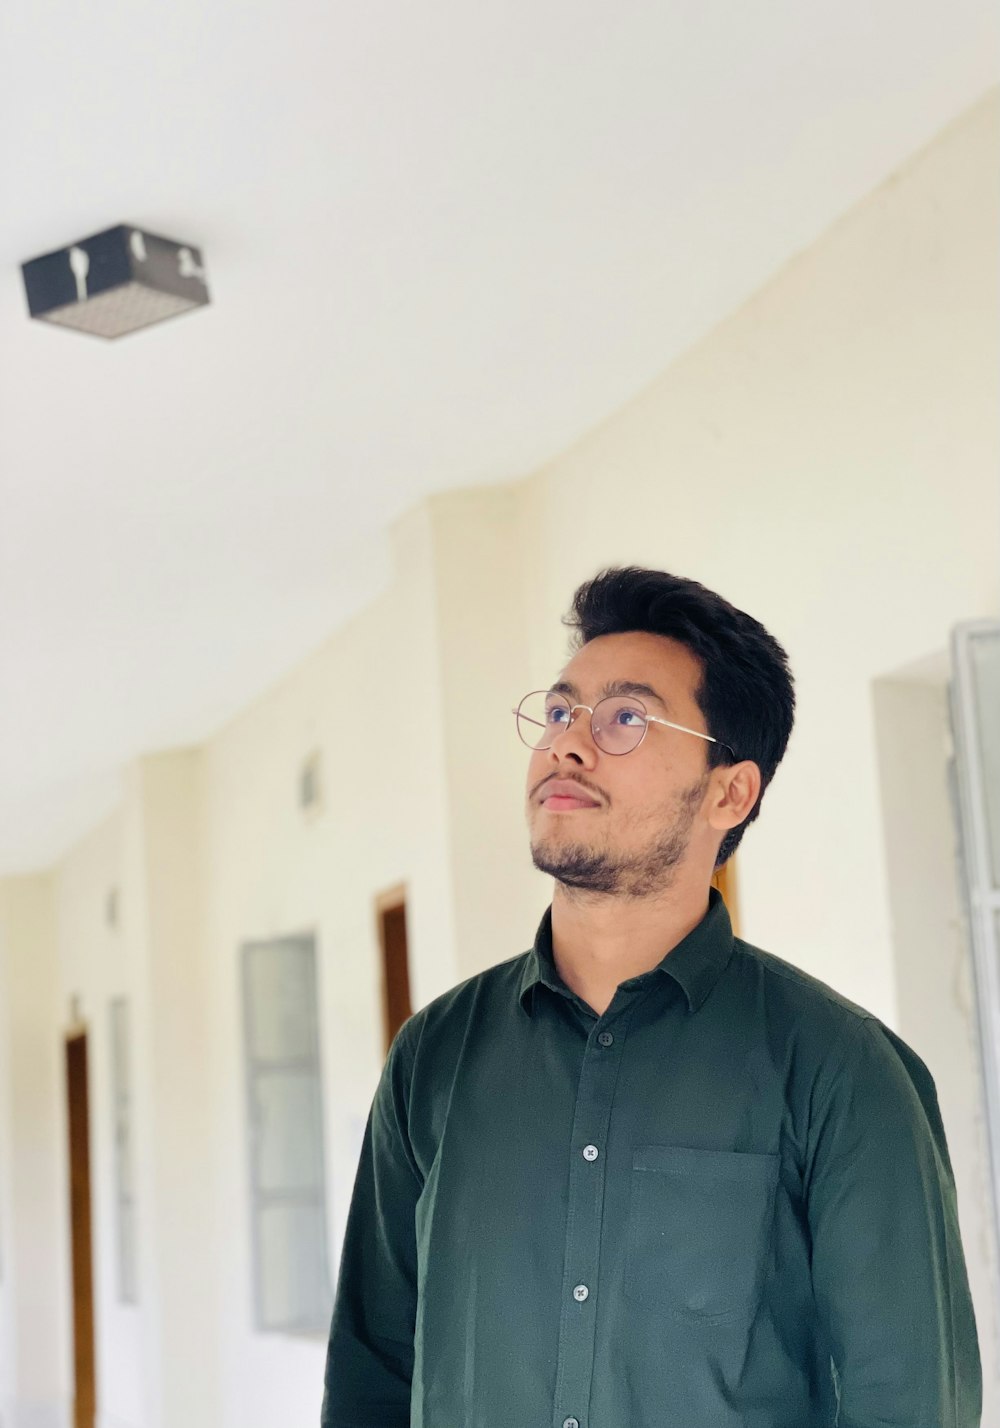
(432, 1045)
(796, 1013)
(848, 1042)
(851, 1079)
(485, 996)
(843, 1034)
(785, 982)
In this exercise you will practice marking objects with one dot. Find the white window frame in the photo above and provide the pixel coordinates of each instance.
(314, 1316)
(125, 1200)
(975, 803)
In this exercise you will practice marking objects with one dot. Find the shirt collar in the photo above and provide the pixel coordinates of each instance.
(695, 964)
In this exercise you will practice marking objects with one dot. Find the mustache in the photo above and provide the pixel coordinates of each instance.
(589, 787)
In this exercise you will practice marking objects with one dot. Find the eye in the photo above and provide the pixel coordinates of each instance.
(629, 719)
(557, 714)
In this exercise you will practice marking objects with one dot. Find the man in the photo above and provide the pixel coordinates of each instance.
(647, 1175)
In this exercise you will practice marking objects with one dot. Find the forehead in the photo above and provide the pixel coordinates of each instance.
(666, 665)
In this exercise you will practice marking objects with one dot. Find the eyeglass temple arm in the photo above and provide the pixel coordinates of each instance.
(697, 732)
(683, 728)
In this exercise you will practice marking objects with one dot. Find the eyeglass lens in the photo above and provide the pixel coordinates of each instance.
(616, 725)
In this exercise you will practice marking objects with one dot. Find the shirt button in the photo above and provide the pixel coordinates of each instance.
(580, 1293)
(571, 1423)
(605, 1038)
(590, 1152)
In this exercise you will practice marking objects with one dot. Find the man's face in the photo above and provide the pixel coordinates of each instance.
(646, 805)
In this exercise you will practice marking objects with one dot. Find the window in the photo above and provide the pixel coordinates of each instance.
(124, 1172)
(285, 1120)
(974, 780)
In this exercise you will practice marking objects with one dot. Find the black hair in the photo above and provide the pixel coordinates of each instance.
(746, 691)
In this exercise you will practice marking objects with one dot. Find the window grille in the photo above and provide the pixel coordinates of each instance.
(124, 1171)
(974, 783)
(291, 1275)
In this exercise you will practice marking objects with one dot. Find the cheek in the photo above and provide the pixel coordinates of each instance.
(642, 793)
(538, 768)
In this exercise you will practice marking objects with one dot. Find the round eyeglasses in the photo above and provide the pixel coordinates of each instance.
(618, 723)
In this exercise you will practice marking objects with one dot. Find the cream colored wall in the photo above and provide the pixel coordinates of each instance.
(178, 1102)
(35, 1389)
(155, 1360)
(826, 459)
(8, 1293)
(369, 701)
(93, 967)
(498, 898)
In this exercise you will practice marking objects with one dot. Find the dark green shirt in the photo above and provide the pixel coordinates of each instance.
(725, 1203)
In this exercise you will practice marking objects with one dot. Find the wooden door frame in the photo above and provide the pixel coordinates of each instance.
(725, 879)
(385, 902)
(77, 1086)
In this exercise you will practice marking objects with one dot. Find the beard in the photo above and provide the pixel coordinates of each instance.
(637, 873)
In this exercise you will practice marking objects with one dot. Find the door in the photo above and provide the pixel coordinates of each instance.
(84, 1404)
(396, 1005)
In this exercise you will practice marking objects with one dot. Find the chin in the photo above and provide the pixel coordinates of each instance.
(548, 848)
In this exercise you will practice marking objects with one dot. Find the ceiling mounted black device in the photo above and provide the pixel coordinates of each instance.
(115, 282)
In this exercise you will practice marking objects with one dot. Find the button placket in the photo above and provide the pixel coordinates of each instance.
(592, 1114)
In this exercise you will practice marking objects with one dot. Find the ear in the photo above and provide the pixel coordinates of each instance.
(735, 789)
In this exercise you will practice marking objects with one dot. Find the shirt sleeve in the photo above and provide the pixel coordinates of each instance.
(889, 1275)
(369, 1363)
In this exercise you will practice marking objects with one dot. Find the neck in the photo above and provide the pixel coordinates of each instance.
(599, 939)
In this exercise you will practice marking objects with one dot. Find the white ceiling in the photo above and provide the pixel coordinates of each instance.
(442, 241)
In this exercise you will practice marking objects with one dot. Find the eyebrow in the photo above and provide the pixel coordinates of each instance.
(613, 689)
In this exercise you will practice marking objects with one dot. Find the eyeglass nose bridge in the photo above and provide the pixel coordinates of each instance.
(572, 713)
(572, 719)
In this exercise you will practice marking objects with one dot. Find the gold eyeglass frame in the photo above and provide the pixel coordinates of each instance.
(649, 719)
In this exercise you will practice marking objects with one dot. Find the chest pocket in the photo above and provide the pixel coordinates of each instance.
(699, 1231)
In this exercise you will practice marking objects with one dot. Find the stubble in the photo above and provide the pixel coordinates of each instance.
(634, 874)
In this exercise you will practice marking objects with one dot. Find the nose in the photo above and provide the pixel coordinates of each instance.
(576, 741)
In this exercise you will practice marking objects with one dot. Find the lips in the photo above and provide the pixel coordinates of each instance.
(562, 795)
